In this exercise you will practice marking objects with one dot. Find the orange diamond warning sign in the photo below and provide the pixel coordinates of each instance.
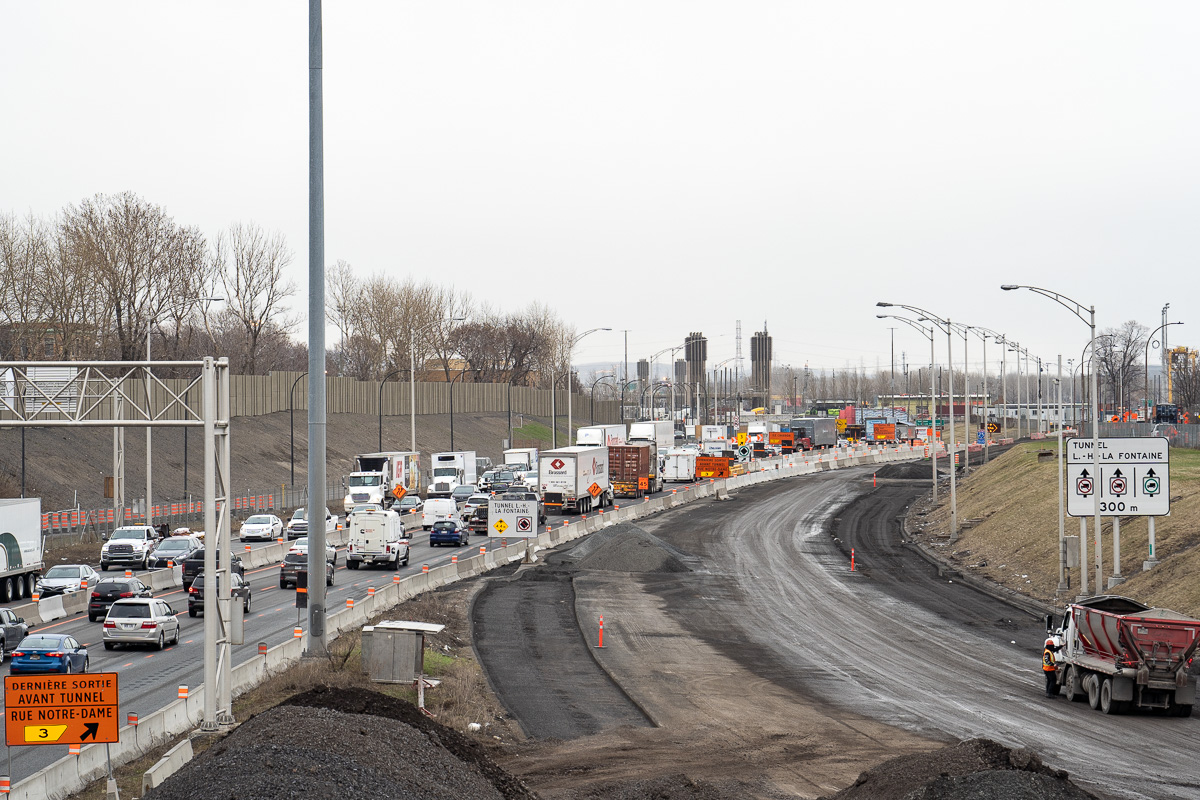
(594, 490)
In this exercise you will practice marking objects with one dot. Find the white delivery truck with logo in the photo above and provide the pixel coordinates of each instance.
(526, 457)
(679, 466)
(376, 475)
(661, 432)
(451, 470)
(607, 435)
(575, 479)
(377, 537)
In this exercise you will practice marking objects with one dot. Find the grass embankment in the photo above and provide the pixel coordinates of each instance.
(1008, 512)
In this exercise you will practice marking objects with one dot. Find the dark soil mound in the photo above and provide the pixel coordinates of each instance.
(349, 742)
(976, 768)
(905, 471)
(626, 548)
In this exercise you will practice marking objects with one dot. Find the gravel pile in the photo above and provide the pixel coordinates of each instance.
(349, 742)
(976, 769)
(670, 787)
(627, 548)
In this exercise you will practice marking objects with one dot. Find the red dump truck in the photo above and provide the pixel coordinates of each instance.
(1120, 654)
(631, 469)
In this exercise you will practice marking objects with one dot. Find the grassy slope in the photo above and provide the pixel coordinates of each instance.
(1015, 500)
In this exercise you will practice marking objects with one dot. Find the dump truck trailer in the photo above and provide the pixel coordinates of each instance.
(1119, 654)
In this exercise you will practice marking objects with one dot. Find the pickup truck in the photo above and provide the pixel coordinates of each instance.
(129, 546)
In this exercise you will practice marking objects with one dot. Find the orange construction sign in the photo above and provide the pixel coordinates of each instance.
(594, 490)
(61, 709)
(399, 491)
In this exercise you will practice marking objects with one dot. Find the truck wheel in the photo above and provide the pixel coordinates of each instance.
(406, 557)
(6, 591)
(1075, 692)
(1182, 710)
(351, 564)
(20, 587)
(1092, 682)
(1107, 704)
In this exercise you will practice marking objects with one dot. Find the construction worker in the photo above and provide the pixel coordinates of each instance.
(1050, 667)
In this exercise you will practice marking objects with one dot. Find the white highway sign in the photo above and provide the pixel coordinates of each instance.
(1131, 476)
(512, 519)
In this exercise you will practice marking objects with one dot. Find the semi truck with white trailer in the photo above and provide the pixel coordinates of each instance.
(526, 457)
(375, 477)
(1119, 654)
(376, 538)
(661, 432)
(606, 435)
(451, 470)
(574, 479)
(20, 547)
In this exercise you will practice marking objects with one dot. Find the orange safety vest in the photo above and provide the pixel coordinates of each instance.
(1048, 664)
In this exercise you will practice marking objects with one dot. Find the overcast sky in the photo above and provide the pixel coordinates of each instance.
(660, 167)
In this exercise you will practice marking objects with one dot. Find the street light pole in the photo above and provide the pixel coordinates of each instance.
(292, 426)
(1078, 310)
(927, 333)
(602, 377)
(412, 374)
(1146, 361)
(570, 379)
(383, 383)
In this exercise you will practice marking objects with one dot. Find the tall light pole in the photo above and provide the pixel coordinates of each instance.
(601, 378)
(943, 325)
(292, 427)
(1090, 320)
(412, 374)
(718, 401)
(964, 330)
(383, 383)
(928, 334)
(570, 350)
(1146, 360)
(150, 430)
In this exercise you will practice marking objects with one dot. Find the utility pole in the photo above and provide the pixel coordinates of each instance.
(893, 330)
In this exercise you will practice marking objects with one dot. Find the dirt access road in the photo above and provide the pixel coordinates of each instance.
(771, 670)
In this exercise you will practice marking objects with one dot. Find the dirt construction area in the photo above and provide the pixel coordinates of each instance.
(743, 658)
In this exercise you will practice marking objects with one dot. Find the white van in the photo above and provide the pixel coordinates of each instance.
(437, 509)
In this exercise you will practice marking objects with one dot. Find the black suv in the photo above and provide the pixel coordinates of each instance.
(194, 565)
(110, 590)
(516, 495)
(296, 563)
(239, 588)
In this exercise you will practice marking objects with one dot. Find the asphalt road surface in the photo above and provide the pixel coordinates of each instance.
(894, 641)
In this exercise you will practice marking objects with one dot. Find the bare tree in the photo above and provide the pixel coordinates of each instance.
(23, 246)
(250, 264)
(1118, 352)
(1185, 381)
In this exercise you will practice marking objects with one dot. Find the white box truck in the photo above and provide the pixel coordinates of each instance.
(20, 547)
(574, 479)
(451, 470)
(680, 466)
(526, 457)
(376, 475)
(377, 537)
(661, 432)
(596, 435)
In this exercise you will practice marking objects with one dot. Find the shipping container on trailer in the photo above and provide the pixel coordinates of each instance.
(629, 469)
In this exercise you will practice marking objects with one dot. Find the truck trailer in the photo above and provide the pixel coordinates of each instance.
(661, 432)
(375, 477)
(525, 457)
(1119, 654)
(574, 479)
(631, 469)
(20, 547)
(814, 433)
(606, 435)
(679, 466)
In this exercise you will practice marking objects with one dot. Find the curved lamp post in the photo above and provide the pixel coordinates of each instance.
(1146, 380)
(412, 373)
(383, 383)
(944, 326)
(292, 425)
(601, 378)
(570, 350)
(1079, 311)
(928, 334)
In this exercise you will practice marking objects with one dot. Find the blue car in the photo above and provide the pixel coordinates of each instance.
(448, 531)
(49, 652)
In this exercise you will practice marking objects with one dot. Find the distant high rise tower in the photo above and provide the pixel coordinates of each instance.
(695, 353)
(760, 365)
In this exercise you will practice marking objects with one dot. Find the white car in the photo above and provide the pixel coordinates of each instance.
(66, 578)
(298, 525)
(263, 527)
(301, 547)
(141, 620)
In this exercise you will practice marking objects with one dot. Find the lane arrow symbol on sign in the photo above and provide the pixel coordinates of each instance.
(89, 730)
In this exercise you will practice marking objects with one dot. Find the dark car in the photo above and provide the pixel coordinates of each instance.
(409, 504)
(174, 550)
(518, 495)
(239, 588)
(448, 531)
(49, 652)
(12, 630)
(503, 480)
(110, 590)
(194, 565)
(296, 563)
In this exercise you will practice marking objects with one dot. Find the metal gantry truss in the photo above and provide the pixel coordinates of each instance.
(126, 394)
